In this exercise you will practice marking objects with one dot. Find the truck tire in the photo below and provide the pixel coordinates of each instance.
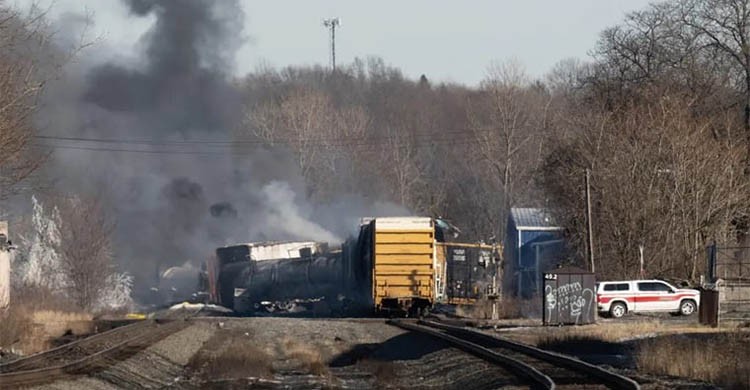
(618, 310)
(687, 307)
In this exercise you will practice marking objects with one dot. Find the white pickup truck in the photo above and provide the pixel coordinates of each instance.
(620, 297)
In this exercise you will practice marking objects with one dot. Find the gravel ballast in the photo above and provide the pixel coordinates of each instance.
(158, 366)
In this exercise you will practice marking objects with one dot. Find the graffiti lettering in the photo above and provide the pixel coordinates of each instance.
(571, 298)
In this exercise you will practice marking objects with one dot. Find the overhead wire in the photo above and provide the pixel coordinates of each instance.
(415, 140)
(325, 140)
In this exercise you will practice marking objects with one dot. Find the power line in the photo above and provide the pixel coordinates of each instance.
(93, 149)
(135, 141)
(238, 147)
(435, 142)
(325, 141)
(406, 140)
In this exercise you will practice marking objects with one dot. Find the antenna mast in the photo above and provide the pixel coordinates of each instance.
(332, 23)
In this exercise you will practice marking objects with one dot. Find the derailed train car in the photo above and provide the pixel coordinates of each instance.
(471, 271)
(245, 285)
(400, 265)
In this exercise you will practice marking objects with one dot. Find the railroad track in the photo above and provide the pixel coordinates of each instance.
(541, 369)
(87, 355)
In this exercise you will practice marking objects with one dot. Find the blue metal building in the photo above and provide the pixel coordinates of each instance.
(533, 244)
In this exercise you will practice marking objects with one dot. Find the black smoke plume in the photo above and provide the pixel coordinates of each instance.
(174, 198)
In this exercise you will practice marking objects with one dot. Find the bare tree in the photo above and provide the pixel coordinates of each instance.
(28, 60)
(722, 28)
(324, 138)
(508, 121)
(86, 249)
(660, 180)
(20, 85)
(400, 166)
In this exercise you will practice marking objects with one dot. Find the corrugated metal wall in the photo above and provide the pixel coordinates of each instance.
(403, 262)
(522, 269)
(510, 257)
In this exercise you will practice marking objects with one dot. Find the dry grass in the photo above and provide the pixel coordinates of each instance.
(13, 325)
(691, 351)
(308, 356)
(613, 331)
(508, 308)
(239, 361)
(720, 359)
(56, 323)
(231, 355)
(385, 372)
(483, 310)
(235, 354)
(30, 327)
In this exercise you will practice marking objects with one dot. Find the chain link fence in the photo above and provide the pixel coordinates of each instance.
(727, 291)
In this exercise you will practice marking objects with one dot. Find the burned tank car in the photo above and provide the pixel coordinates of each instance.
(184, 283)
(328, 282)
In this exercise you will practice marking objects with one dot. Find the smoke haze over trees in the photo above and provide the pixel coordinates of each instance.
(185, 157)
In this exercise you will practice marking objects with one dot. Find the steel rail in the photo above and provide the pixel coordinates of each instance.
(92, 361)
(43, 357)
(609, 378)
(538, 379)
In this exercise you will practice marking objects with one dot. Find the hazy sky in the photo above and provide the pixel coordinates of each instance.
(446, 40)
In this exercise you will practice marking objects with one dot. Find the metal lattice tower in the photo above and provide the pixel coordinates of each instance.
(332, 23)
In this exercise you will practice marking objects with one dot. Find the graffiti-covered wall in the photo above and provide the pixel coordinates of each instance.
(569, 297)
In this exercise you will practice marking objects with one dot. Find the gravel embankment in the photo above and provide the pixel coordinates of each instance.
(311, 353)
(273, 353)
(158, 366)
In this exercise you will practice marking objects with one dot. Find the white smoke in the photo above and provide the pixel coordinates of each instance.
(285, 217)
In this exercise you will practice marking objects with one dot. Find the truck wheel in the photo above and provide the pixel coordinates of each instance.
(618, 310)
(687, 307)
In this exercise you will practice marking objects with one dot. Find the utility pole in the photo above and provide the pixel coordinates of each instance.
(640, 258)
(5, 248)
(332, 23)
(588, 220)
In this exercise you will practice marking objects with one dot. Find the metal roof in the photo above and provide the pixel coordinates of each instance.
(569, 270)
(396, 223)
(526, 218)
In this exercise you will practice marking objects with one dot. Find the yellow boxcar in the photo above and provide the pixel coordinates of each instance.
(403, 271)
